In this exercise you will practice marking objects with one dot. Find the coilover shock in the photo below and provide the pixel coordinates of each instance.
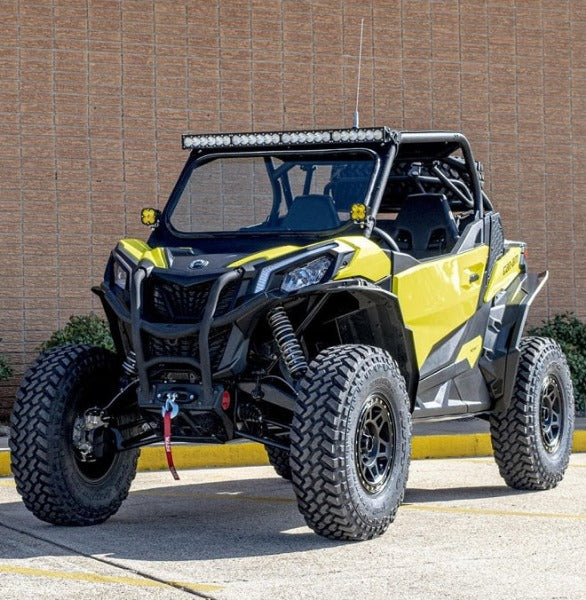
(287, 342)
(129, 364)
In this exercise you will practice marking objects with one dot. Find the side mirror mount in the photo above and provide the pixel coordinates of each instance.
(150, 217)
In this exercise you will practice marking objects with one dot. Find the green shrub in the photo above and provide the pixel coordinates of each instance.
(570, 333)
(85, 329)
(5, 370)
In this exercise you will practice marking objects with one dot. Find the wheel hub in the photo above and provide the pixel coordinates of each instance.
(374, 444)
(551, 413)
(84, 430)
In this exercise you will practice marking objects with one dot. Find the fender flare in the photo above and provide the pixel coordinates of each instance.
(505, 330)
(386, 326)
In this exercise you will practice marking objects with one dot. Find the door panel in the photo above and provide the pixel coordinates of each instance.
(438, 296)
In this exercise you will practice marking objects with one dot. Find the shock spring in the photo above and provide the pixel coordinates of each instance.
(287, 341)
(129, 364)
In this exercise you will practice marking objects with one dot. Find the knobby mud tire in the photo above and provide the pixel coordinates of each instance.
(532, 438)
(279, 460)
(55, 485)
(352, 406)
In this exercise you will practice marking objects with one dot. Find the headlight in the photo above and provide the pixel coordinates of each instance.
(120, 276)
(308, 274)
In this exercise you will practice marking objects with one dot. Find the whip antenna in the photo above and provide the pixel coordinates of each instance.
(356, 116)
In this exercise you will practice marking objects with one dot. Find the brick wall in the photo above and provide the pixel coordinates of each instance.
(94, 95)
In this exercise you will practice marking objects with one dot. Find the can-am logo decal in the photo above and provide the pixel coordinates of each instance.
(200, 263)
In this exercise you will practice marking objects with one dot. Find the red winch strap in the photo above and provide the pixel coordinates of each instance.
(168, 451)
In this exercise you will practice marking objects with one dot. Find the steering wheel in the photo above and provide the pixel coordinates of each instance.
(386, 238)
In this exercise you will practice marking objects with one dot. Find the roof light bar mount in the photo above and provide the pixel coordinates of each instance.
(289, 138)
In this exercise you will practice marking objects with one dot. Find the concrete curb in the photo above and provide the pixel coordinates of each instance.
(246, 454)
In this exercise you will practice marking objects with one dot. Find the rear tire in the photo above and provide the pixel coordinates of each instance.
(279, 460)
(532, 438)
(351, 442)
(55, 484)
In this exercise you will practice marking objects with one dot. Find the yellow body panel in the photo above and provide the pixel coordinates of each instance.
(369, 261)
(505, 269)
(139, 250)
(470, 351)
(438, 296)
(265, 255)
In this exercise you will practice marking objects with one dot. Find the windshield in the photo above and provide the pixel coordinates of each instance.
(286, 192)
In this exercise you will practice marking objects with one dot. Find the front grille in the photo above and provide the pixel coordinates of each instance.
(218, 340)
(227, 298)
(170, 302)
(188, 347)
(167, 301)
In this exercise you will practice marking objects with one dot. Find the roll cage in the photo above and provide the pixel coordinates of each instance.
(408, 163)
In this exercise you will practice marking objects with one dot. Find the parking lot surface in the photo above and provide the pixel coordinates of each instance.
(235, 533)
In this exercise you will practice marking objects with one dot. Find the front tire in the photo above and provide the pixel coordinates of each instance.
(56, 485)
(532, 438)
(351, 442)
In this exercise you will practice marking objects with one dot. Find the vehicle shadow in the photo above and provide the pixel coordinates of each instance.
(241, 518)
(203, 521)
(451, 494)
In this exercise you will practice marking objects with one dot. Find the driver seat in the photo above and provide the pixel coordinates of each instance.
(425, 226)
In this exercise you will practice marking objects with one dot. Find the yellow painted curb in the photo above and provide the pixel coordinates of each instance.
(152, 458)
(451, 446)
(5, 463)
(241, 454)
(579, 444)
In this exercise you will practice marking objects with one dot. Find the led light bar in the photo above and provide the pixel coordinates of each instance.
(287, 138)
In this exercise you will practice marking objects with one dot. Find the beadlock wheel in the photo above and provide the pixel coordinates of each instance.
(351, 442)
(532, 437)
(552, 414)
(374, 444)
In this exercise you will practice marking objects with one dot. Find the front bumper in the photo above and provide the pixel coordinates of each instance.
(155, 343)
